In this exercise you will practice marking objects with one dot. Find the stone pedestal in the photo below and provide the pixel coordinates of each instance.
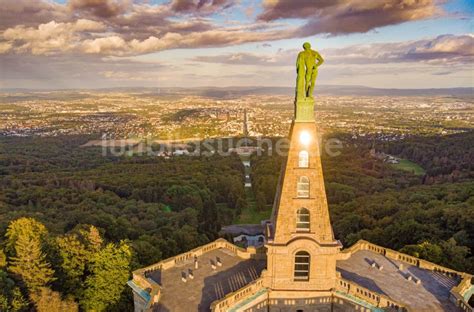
(304, 107)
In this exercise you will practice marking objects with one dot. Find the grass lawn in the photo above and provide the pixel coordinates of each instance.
(407, 165)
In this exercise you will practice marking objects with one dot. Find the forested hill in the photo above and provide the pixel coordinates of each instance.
(446, 159)
(92, 219)
(158, 207)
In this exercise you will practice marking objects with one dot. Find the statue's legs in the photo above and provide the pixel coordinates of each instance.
(308, 83)
(314, 75)
(300, 90)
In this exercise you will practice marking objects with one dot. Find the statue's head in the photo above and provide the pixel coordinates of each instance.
(306, 45)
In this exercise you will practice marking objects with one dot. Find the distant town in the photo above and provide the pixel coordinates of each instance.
(135, 115)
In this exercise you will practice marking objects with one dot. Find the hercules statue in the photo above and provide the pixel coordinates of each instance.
(307, 70)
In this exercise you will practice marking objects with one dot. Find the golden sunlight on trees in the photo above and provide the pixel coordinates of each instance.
(92, 276)
(47, 300)
(27, 260)
(110, 272)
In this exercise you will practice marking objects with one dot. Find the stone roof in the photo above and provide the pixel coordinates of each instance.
(208, 284)
(246, 229)
(369, 274)
(385, 276)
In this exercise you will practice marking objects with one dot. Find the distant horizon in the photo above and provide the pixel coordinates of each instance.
(229, 87)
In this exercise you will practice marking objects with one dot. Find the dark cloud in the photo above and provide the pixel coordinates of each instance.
(223, 4)
(30, 13)
(101, 8)
(201, 6)
(293, 8)
(347, 16)
(183, 5)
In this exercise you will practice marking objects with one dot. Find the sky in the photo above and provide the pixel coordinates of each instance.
(65, 44)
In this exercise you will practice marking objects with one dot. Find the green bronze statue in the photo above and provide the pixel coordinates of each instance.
(307, 70)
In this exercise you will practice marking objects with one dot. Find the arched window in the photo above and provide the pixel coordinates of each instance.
(302, 262)
(303, 159)
(303, 187)
(302, 219)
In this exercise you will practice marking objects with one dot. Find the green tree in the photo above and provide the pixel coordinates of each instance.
(3, 259)
(261, 202)
(455, 255)
(92, 237)
(4, 305)
(110, 271)
(425, 250)
(27, 228)
(47, 300)
(30, 264)
(6, 288)
(240, 205)
(18, 302)
(73, 260)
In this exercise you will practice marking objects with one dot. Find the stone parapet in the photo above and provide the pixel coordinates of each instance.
(460, 294)
(141, 279)
(396, 255)
(235, 297)
(243, 253)
(345, 287)
(457, 293)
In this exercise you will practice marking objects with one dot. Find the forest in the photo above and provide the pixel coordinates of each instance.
(86, 220)
(153, 208)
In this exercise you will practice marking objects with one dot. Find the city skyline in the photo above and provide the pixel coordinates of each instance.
(191, 43)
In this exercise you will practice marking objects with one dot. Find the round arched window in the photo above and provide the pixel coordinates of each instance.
(303, 159)
(302, 220)
(303, 187)
(302, 264)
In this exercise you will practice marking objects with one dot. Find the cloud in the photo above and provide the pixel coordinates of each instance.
(285, 58)
(278, 9)
(347, 16)
(63, 71)
(30, 13)
(101, 8)
(130, 28)
(5, 47)
(442, 50)
(124, 27)
(201, 6)
(88, 36)
(49, 38)
(115, 45)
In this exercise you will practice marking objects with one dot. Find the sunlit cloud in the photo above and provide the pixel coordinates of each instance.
(348, 16)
